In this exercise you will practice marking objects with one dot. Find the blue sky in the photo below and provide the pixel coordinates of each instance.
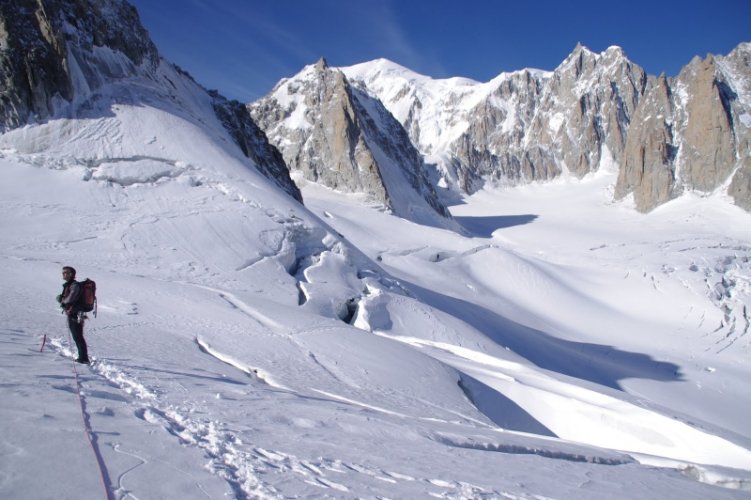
(244, 47)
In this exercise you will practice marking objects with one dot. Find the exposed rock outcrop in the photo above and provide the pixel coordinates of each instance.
(649, 152)
(51, 50)
(254, 144)
(56, 55)
(519, 127)
(740, 186)
(494, 144)
(339, 136)
(595, 95)
(666, 135)
(692, 132)
(544, 124)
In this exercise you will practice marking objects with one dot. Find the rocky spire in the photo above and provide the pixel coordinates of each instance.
(339, 136)
(692, 133)
(321, 65)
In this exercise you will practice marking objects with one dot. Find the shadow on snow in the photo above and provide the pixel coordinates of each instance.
(484, 227)
(597, 363)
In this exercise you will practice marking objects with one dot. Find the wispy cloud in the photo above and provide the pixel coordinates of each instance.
(257, 50)
(397, 42)
(244, 47)
(256, 30)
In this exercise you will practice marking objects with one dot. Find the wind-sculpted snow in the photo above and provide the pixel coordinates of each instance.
(524, 449)
(503, 376)
(529, 281)
(247, 346)
(206, 362)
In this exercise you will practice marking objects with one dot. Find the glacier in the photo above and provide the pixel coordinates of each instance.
(559, 344)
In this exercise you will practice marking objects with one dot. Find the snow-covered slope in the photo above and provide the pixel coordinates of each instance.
(553, 347)
(201, 340)
(247, 346)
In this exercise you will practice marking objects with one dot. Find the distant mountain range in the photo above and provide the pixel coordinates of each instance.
(407, 140)
(664, 135)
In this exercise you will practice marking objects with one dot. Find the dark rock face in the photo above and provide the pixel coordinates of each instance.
(32, 63)
(57, 52)
(50, 50)
(253, 142)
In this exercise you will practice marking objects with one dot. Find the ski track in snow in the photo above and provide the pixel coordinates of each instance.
(243, 466)
(219, 445)
(474, 363)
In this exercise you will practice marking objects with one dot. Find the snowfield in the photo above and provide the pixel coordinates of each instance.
(246, 346)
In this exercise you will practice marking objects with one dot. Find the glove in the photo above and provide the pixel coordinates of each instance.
(59, 298)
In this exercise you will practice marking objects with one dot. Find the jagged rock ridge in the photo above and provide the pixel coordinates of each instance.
(692, 132)
(519, 127)
(665, 135)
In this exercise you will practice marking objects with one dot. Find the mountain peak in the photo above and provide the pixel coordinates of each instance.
(614, 50)
(583, 52)
(339, 136)
(579, 57)
(322, 64)
(582, 49)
